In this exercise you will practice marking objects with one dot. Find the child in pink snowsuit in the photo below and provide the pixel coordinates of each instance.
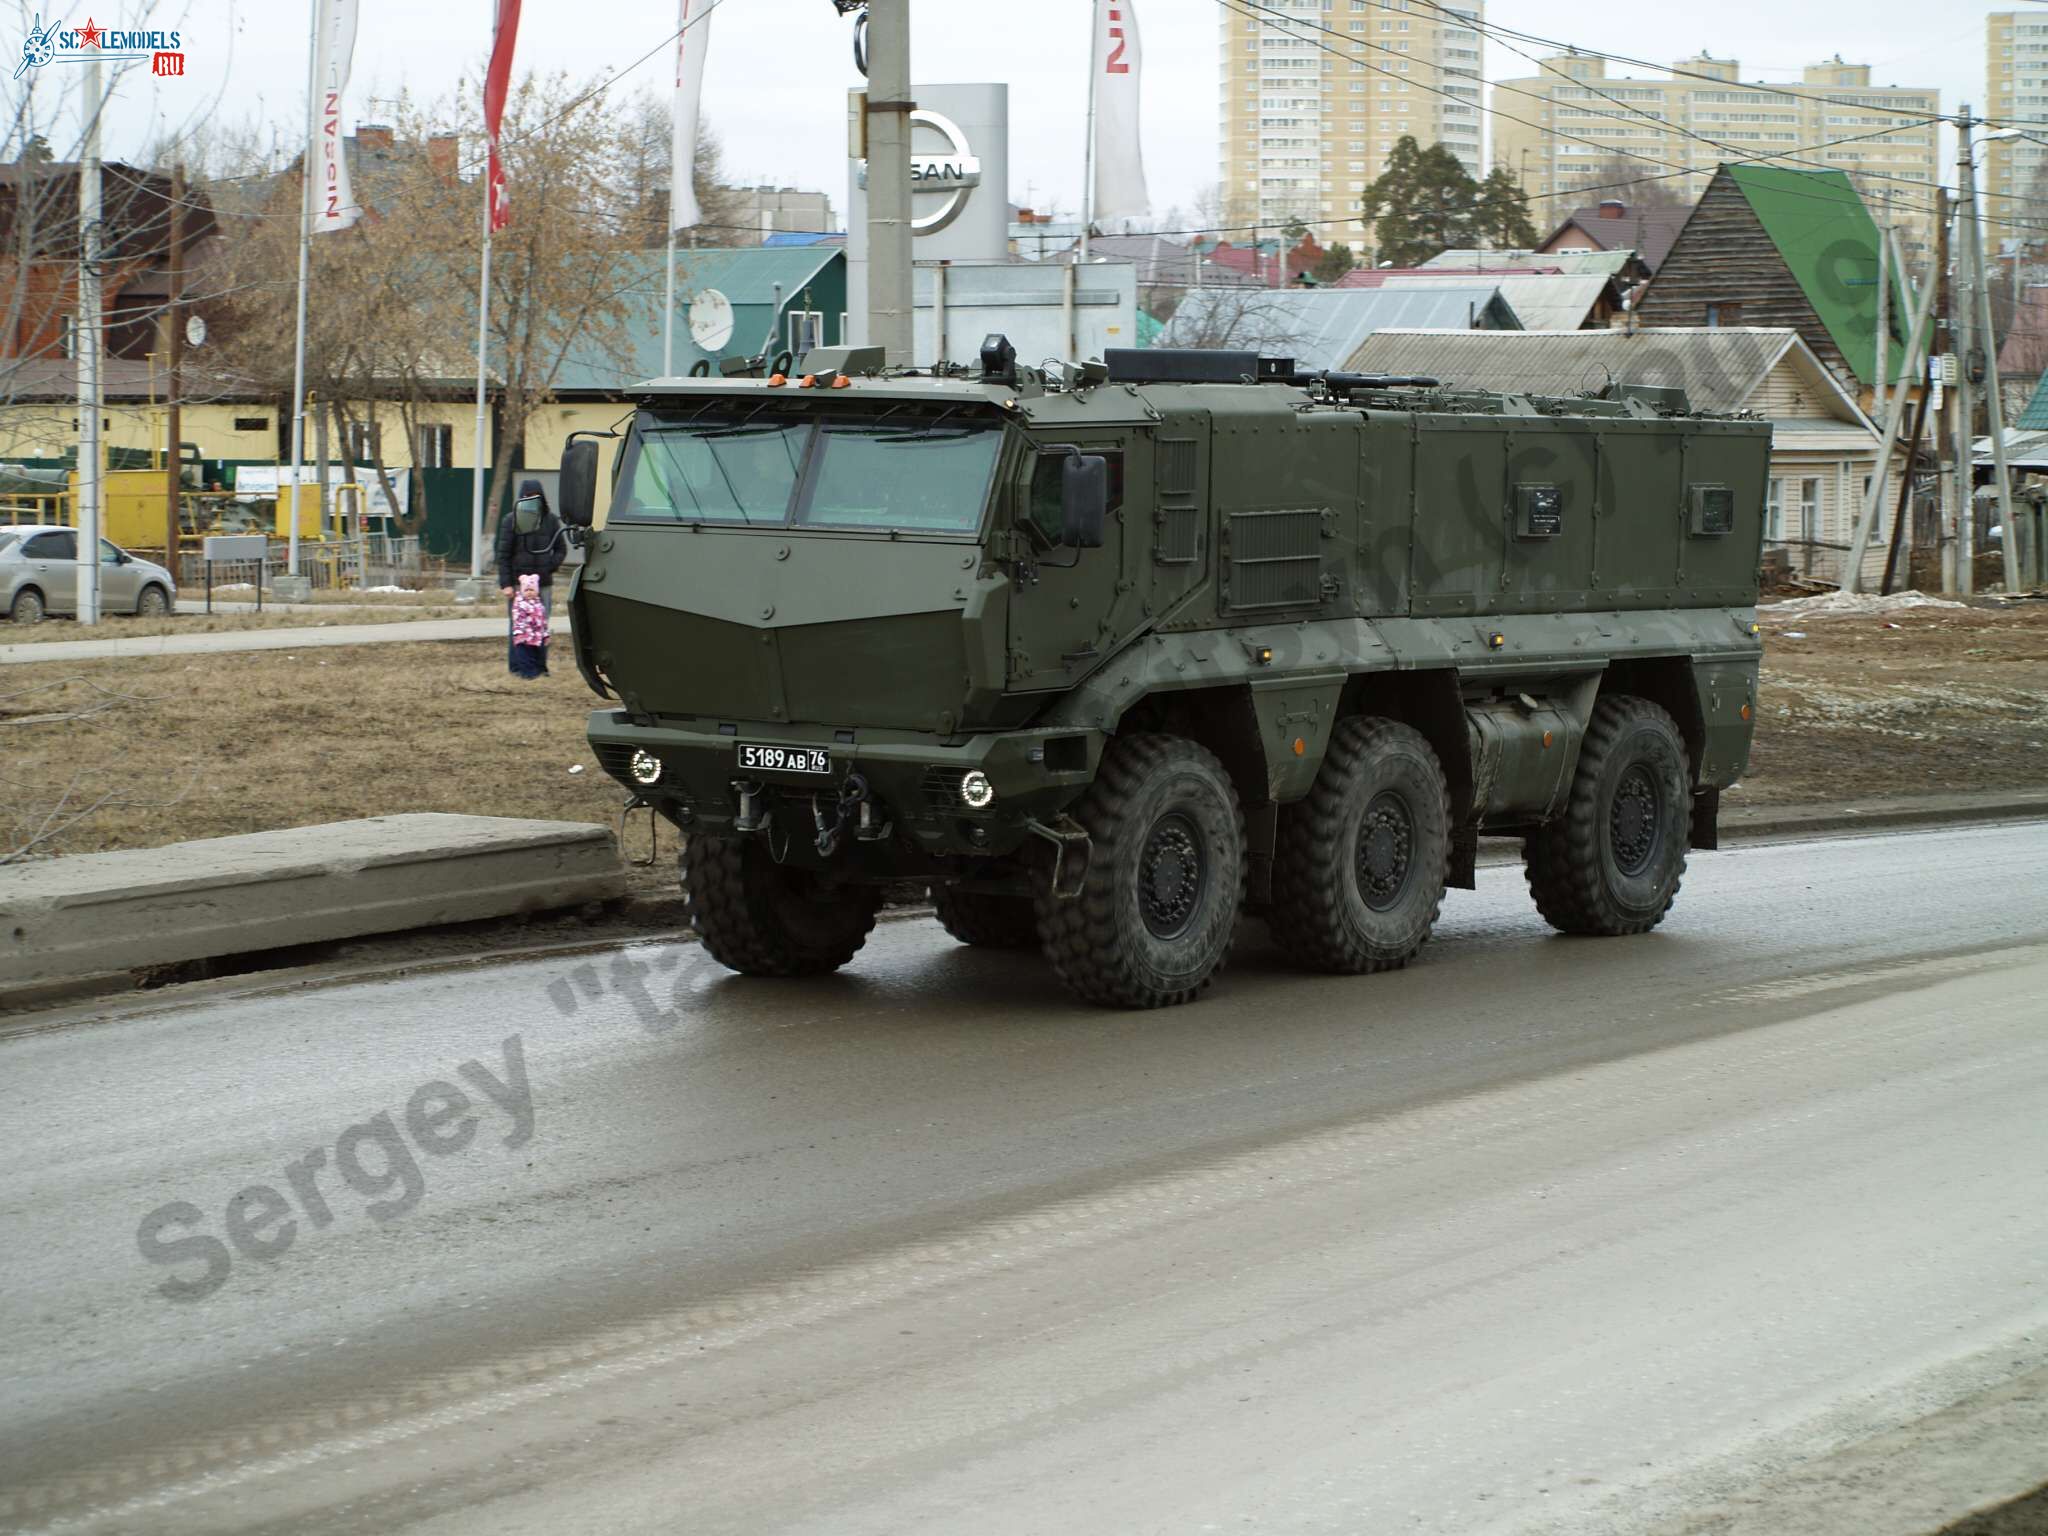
(529, 656)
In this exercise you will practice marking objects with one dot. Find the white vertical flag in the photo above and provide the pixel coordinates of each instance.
(1119, 154)
(693, 41)
(333, 204)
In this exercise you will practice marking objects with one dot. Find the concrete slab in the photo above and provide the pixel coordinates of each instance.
(102, 912)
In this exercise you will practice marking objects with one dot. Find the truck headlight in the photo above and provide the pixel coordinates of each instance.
(645, 768)
(976, 790)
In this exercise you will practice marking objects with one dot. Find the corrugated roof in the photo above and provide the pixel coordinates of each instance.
(1322, 327)
(1719, 369)
(1541, 301)
(1828, 239)
(1612, 263)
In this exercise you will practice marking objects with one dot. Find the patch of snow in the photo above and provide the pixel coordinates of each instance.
(1865, 603)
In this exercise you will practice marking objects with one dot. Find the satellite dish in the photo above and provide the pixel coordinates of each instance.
(711, 320)
(195, 331)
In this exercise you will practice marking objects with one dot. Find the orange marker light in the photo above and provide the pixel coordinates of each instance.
(1300, 747)
(1546, 739)
(809, 381)
(777, 380)
(842, 382)
(1745, 711)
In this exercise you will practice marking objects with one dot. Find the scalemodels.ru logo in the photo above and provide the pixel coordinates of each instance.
(61, 44)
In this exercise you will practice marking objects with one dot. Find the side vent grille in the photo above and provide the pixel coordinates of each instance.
(1179, 519)
(1276, 559)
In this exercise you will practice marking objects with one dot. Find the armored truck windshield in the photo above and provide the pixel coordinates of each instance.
(928, 473)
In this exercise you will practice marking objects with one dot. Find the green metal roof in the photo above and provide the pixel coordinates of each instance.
(1829, 241)
(746, 275)
(2035, 417)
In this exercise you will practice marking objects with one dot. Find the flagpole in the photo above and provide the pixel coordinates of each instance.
(668, 314)
(305, 259)
(1088, 155)
(483, 317)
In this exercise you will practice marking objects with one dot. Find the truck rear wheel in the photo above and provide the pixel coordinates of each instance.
(762, 918)
(986, 922)
(1165, 880)
(1612, 862)
(1360, 864)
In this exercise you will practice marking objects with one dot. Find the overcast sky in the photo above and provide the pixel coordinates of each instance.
(779, 69)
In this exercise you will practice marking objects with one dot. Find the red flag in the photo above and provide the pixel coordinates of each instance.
(496, 82)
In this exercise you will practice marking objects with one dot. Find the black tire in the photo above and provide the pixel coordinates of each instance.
(152, 602)
(761, 918)
(984, 921)
(1360, 864)
(1163, 815)
(1612, 862)
(27, 608)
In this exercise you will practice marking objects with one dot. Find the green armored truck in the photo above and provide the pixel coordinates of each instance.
(1110, 655)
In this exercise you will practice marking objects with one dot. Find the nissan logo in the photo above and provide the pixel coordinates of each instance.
(952, 174)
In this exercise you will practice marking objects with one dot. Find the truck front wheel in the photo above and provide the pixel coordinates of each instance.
(1358, 873)
(762, 918)
(1611, 863)
(1165, 880)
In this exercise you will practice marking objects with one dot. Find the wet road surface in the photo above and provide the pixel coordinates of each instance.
(1538, 1235)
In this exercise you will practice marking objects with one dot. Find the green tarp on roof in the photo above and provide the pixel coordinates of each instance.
(1829, 240)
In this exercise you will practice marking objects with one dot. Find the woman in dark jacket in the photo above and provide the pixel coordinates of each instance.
(531, 542)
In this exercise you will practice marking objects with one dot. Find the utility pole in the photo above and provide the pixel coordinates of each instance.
(1944, 431)
(90, 389)
(1994, 407)
(1884, 243)
(1965, 337)
(888, 107)
(305, 265)
(175, 425)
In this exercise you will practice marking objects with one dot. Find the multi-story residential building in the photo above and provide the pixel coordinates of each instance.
(1574, 126)
(2015, 91)
(1315, 97)
(764, 211)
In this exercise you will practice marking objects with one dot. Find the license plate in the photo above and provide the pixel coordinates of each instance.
(760, 757)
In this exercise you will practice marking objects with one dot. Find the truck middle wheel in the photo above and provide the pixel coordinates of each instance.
(1360, 864)
(1165, 880)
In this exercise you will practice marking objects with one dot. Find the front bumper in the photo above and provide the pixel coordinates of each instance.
(912, 778)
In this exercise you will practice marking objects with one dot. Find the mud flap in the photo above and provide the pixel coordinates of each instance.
(1706, 819)
(1464, 871)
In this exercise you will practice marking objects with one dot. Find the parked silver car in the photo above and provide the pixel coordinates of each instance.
(39, 575)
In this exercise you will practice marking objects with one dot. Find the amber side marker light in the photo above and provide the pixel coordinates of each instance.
(1495, 641)
(808, 381)
(1300, 747)
(1745, 711)
(842, 382)
(777, 380)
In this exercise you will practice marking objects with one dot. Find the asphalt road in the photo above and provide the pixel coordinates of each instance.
(1538, 1235)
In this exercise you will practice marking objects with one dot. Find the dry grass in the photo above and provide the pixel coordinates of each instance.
(245, 742)
(123, 627)
(179, 747)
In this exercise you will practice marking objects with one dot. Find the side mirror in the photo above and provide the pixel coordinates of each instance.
(577, 490)
(1084, 500)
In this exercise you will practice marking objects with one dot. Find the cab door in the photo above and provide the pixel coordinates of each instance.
(1069, 608)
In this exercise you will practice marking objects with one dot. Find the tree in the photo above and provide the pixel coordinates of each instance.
(1503, 211)
(1424, 202)
(1626, 179)
(1337, 261)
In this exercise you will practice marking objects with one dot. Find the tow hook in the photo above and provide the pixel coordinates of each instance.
(852, 804)
(1071, 852)
(751, 817)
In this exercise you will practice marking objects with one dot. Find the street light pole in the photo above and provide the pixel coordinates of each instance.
(87, 342)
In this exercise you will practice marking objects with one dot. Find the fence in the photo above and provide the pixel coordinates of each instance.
(330, 564)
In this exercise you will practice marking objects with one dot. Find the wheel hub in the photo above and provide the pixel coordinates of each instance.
(1632, 824)
(1386, 848)
(1172, 876)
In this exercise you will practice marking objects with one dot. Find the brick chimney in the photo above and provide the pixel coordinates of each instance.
(1613, 208)
(444, 154)
(373, 138)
